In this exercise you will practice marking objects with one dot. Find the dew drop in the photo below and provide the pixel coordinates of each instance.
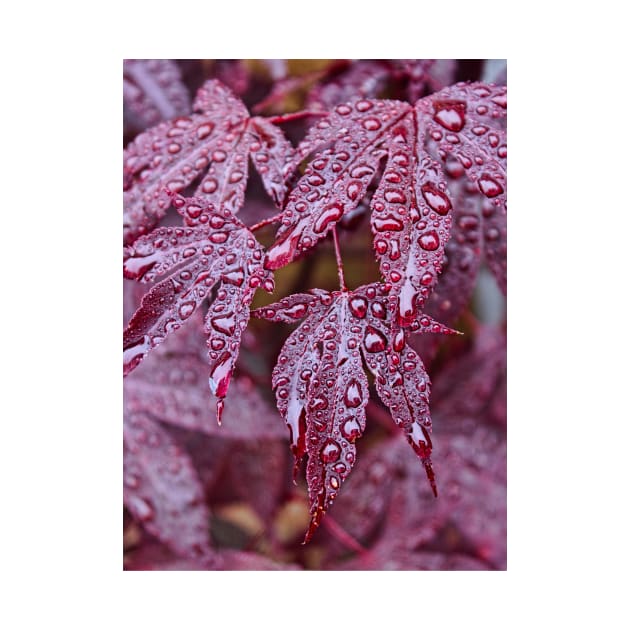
(351, 430)
(186, 309)
(330, 214)
(387, 223)
(209, 185)
(225, 324)
(141, 508)
(489, 186)
(352, 395)
(371, 124)
(363, 106)
(219, 237)
(429, 241)
(235, 277)
(219, 156)
(450, 114)
(343, 110)
(203, 131)
(358, 307)
(374, 341)
(330, 452)
(219, 380)
(436, 199)
(378, 310)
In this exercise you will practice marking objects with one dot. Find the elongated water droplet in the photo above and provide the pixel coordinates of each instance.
(219, 380)
(388, 223)
(436, 199)
(282, 253)
(328, 215)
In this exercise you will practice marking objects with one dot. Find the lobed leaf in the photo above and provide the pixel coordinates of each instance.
(219, 259)
(411, 208)
(153, 90)
(210, 149)
(162, 490)
(321, 388)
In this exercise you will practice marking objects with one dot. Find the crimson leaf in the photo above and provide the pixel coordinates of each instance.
(217, 252)
(411, 208)
(322, 390)
(213, 145)
(162, 490)
(153, 90)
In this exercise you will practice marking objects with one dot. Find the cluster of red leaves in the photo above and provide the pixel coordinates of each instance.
(432, 176)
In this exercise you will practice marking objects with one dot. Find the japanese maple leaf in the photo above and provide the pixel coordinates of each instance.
(322, 390)
(162, 490)
(153, 90)
(218, 258)
(411, 207)
(210, 149)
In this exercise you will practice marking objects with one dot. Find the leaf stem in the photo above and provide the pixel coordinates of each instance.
(276, 218)
(342, 280)
(343, 536)
(282, 118)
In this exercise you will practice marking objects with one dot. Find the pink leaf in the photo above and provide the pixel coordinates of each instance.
(210, 149)
(162, 489)
(321, 388)
(411, 208)
(219, 251)
(153, 90)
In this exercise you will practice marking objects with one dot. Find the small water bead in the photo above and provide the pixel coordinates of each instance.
(450, 114)
(426, 279)
(492, 234)
(358, 307)
(353, 190)
(225, 324)
(330, 452)
(209, 185)
(493, 140)
(141, 508)
(399, 341)
(219, 237)
(374, 341)
(363, 106)
(316, 180)
(334, 483)
(186, 309)
(393, 195)
(429, 241)
(235, 277)
(378, 310)
(362, 170)
(343, 110)
(394, 253)
(394, 276)
(352, 395)
(371, 124)
(489, 186)
(236, 176)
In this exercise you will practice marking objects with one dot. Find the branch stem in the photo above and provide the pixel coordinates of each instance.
(276, 218)
(342, 280)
